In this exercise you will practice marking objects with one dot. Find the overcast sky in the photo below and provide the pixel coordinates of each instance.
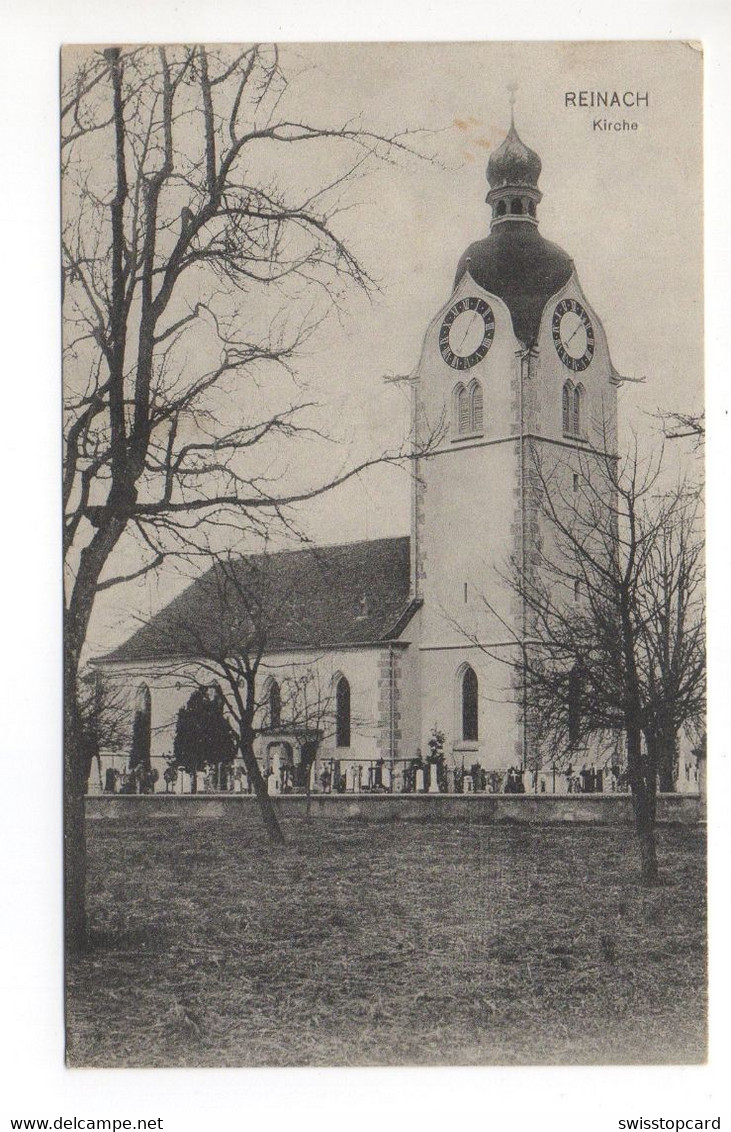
(627, 206)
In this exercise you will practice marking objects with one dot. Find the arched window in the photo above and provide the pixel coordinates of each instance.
(477, 414)
(531, 207)
(578, 407)
(463, 409)
(516, 206)
(574, 704)
(567, 405)
(468, 408)
(141, 728)
(143, 699)
(469, 706)
(342, 713)
(501, 209)
(275, 706)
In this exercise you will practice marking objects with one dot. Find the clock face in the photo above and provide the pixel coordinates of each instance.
(467, 333)
(573, 335)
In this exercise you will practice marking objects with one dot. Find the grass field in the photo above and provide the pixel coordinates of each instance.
(387, 944)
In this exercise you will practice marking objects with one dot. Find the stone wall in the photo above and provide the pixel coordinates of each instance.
(599, 809)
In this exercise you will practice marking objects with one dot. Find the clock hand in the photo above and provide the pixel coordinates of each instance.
(576, 331)
(470, 323)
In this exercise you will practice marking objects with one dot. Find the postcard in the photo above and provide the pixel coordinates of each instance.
(384, 626)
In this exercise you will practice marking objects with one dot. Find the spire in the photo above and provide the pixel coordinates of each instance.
(512, 88)
(512, 172)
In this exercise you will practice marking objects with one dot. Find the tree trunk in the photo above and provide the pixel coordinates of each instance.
(645, 828)
(74, 835)
(76, 621)
(665, 758)
(644, 800)
(266, 806)
(74, 832)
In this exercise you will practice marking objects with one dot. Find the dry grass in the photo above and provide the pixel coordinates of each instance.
(387, 944)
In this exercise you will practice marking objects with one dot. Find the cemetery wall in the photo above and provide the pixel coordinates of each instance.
(600, 809)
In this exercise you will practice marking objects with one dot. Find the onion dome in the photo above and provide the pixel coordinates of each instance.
(513, 164)
(512, 172)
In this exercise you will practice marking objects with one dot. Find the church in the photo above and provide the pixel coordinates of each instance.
(376, 654)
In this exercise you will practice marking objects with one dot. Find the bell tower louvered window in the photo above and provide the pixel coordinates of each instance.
(468, 409)
(567, 397)
(477, 414)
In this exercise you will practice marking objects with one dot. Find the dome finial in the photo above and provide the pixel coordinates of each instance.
(512, 88)
(513, 162)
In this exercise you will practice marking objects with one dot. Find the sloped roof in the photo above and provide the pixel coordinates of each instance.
(515, 263)
(317, 597)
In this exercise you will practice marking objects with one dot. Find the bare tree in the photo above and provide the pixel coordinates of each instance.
(309, 708)
(104, 718)
(683, 426)
(194, 271)
(670, 599)
(224, 637)
(224, 641)
(615, 620)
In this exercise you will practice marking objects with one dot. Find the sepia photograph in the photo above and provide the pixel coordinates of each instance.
(384, 640)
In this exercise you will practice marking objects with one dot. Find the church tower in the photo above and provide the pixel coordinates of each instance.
(514, 363)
